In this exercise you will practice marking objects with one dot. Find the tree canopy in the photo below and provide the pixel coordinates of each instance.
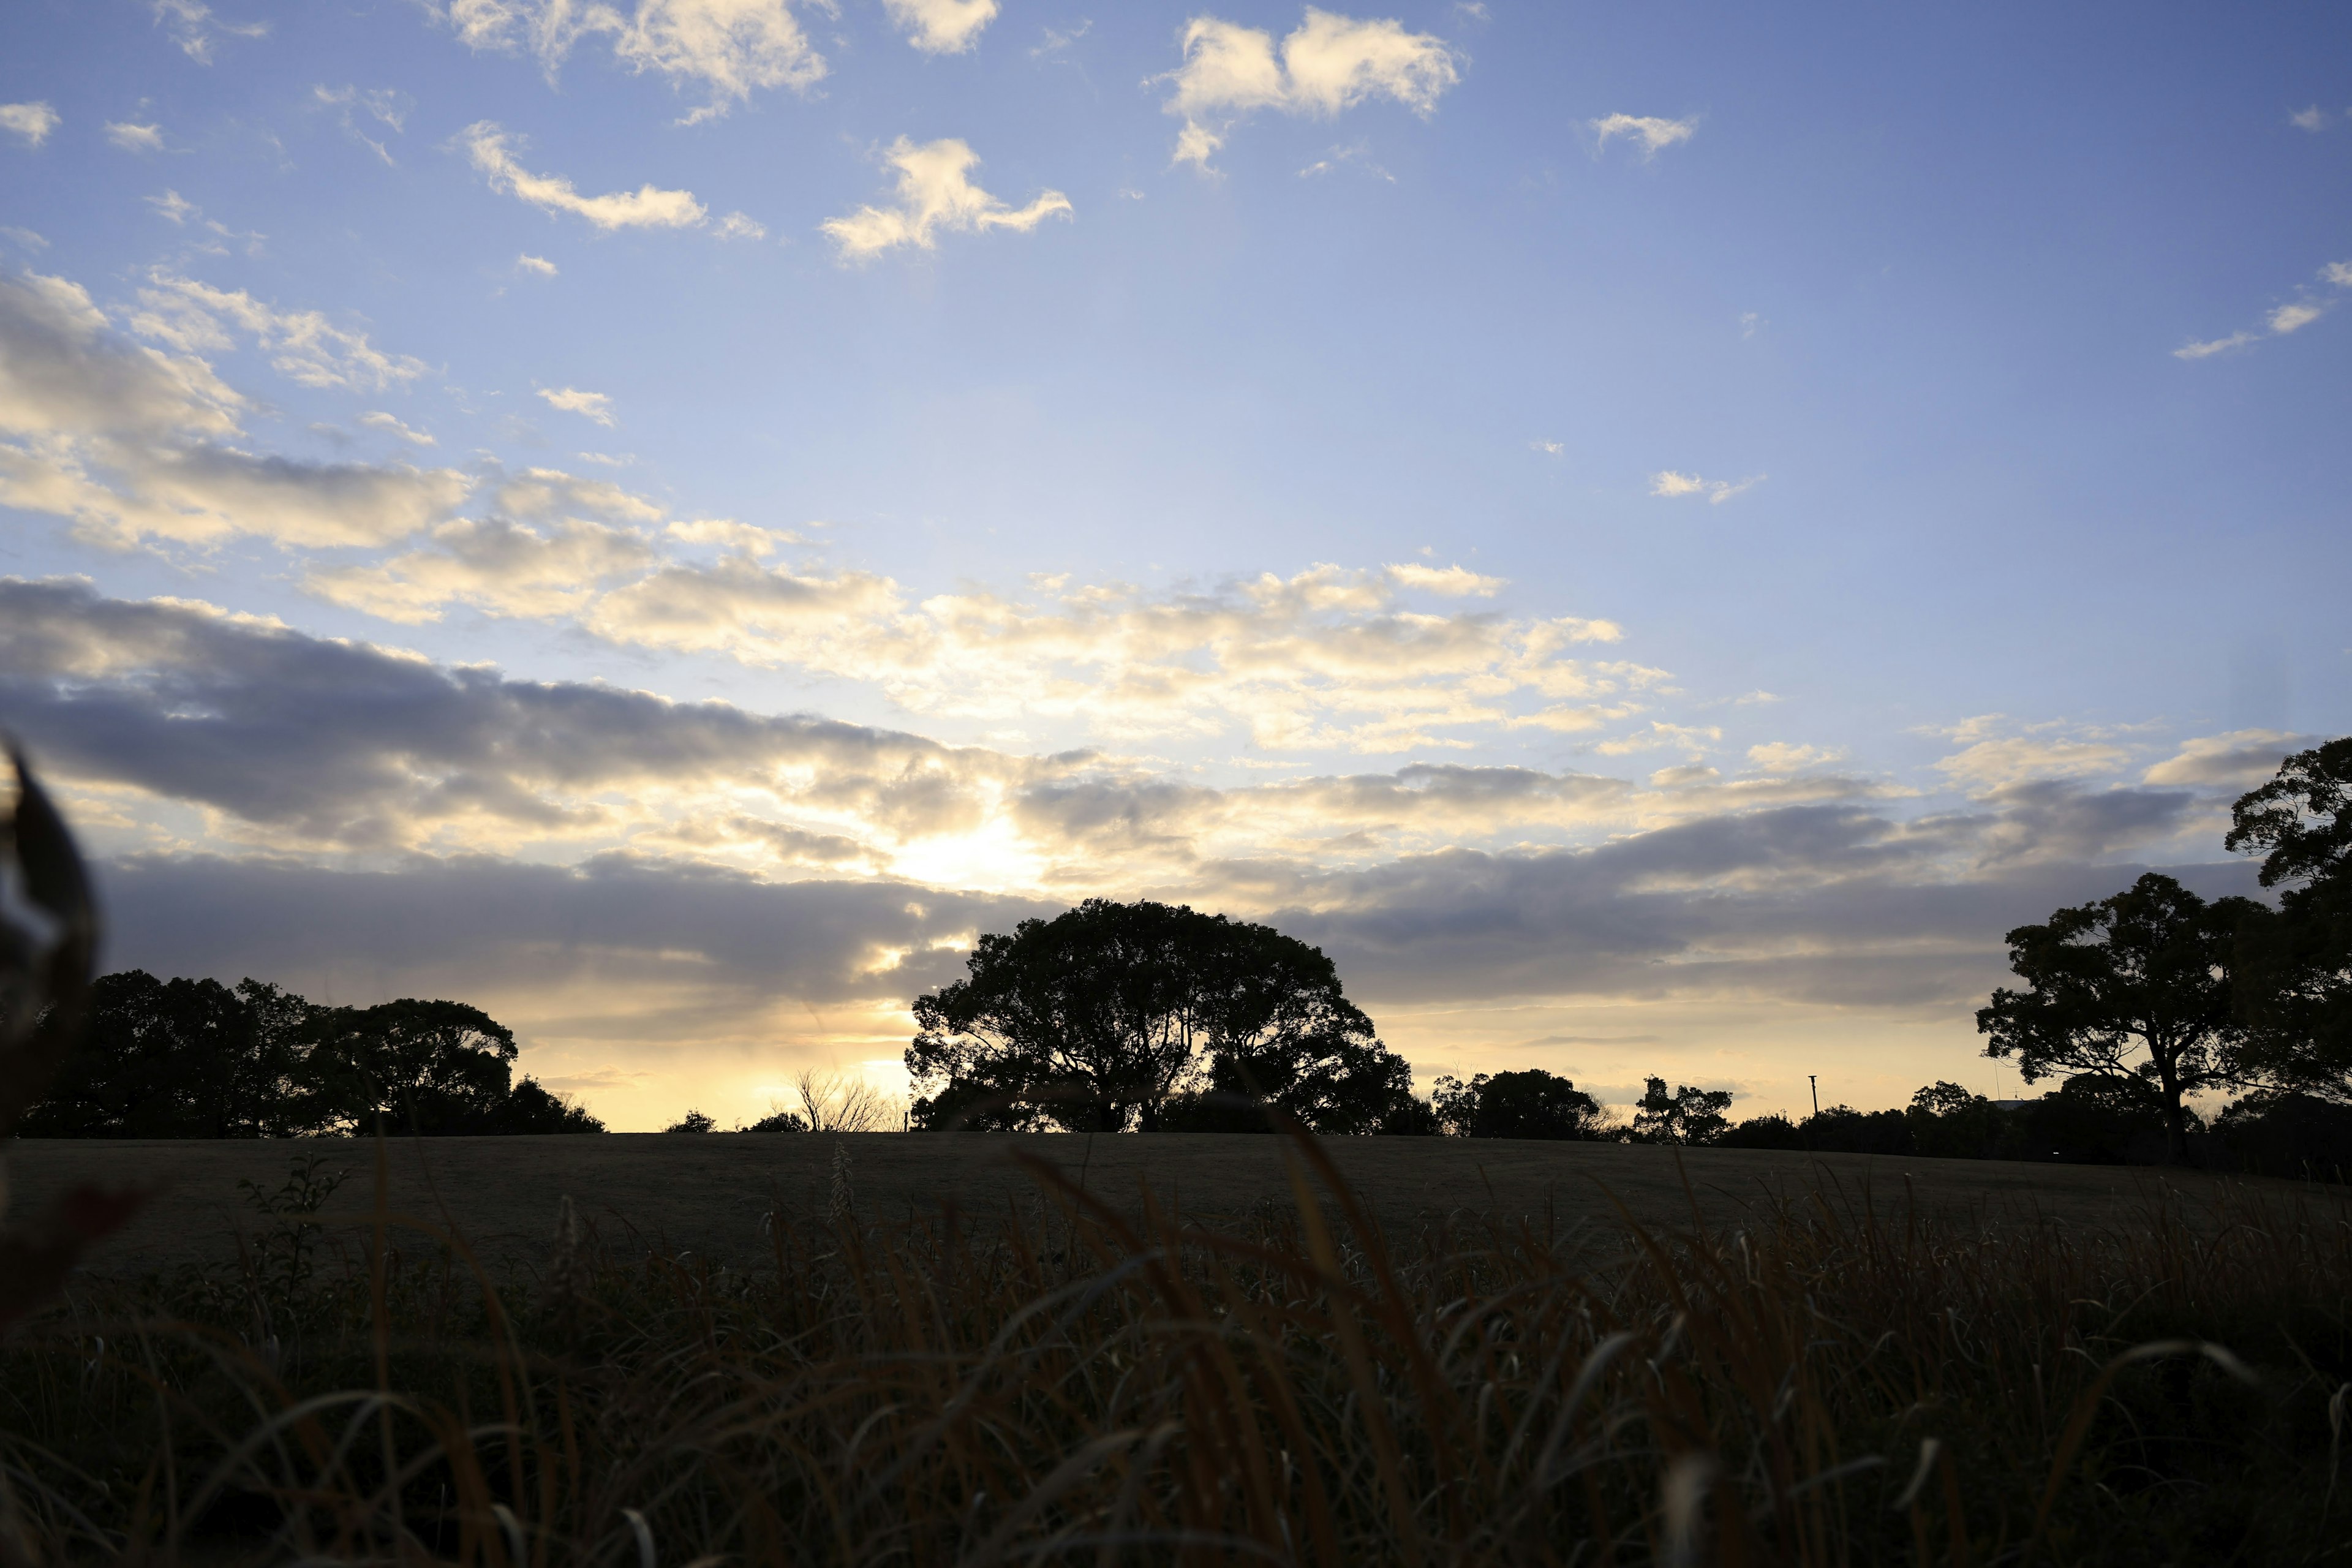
(1117, 1014)
(194, 1058)
(1687, 1116)
(2295, 964)
(2135, 988)
(1529, 1103)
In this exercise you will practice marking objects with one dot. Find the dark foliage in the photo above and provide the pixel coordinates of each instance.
(2135, 988)
(2295, 964)
(1531, 1103)
(194, 1058)
(1687, 1116)
(1112, 1015)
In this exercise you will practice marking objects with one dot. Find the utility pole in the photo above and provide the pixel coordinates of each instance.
(1815, 1079)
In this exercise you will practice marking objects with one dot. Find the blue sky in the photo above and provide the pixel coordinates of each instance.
(1653, 534)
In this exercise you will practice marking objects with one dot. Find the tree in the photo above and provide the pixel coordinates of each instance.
(1529, 1103)
(1111, 1012)
(2294, 964)
(176, 1059)
(1687, 1116)
(2144, 974)
(409, 1065)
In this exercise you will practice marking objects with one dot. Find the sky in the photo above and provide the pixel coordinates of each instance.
(1652, 534)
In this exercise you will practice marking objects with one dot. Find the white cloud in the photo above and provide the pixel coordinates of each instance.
(2238, 759)
(646, 207)
(196, 318)
(1669, 483)
(389, 108)
(133, 138)
(494, 564)
(389, 423)
(2214, 346)
(32, 121)
(1055, 42)
(1653, 134)
(935, 192)
(941, 26)
(130, 443)
(739, 225)
(2312, 119)
(1329, 63)
(729, 48)
(1358, 154)
(2296, 315)
(1549, 448)
(192, 26)
(2000, 756)
(1750, 323)
(174, 206)
(30, 240)
(539, 265)
(597, 405)
(2338, 273)
(1660, 735)
(1781, 757)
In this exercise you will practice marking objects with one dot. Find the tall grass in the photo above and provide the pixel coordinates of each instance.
(1838, 1379)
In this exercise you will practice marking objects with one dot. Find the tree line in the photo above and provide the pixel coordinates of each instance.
(194, 1058)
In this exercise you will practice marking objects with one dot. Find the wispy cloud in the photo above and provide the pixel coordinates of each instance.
(2291, 317)
(386, 106)
(135, 138)
(647, 206)
(935, 192)
(1549, 448)
(393, 426)
(1055, 41)
(538, 264)
(1651, 132)
(941, 26)
(726, 49)
(30, 121)
(597, 405)
(739, 225)
(193, 27)
(2312, 119)
(303, 345)
(1329, 63)
(1671, 484)
(174, 206)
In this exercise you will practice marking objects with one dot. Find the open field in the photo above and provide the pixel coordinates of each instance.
(707, 1194)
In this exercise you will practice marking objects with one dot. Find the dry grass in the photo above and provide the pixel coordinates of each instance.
(1838, 1380)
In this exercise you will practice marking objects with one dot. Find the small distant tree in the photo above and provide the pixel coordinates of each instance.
(840, 1103)
(2134, 987)
(692, 1121)
(1687, 1116)
(1104, 1015)
(1529, 1103)
(780, 1119)
(2294, 964)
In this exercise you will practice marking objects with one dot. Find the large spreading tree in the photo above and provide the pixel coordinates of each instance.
(1112, 1015)
(2136, 988)
(2295, 964)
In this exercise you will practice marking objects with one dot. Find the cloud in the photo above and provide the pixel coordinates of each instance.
(1054, 41)
(494, 564)
(727, 48)
(2291, 317)
(935, 192)
(594, 406)
(739, 225)
(384, 105)
(1329, 63)
(1549, 448)
(174, 206)
(130, 443)
(539, 265)
(2312, 119)
(1669, 483)
(1781, 757)
(1653, 134)
(2237, 761)
(196, 318)
(1994, 758)
(133, 138)
(31, 121)
(941, 26)
(646, 207)
(386, 422)
(194, 26)
(28, 239)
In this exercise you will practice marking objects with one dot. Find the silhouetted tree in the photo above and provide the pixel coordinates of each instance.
(1529, 1103)
(2294, 964)
(1111, 1012)
(2134, 987)
(193, 1058)
(1687, 1116)
(693, 1122)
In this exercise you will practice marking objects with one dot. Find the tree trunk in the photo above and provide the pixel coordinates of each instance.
(2175, 1135)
